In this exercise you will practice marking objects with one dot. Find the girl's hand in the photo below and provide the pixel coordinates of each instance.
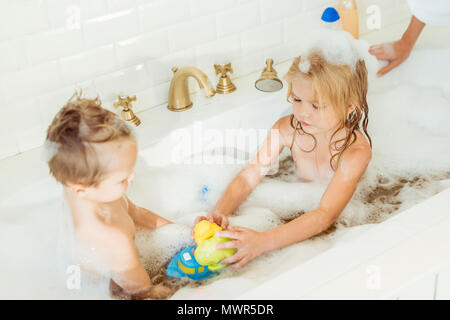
(249, 244)
(217, 218)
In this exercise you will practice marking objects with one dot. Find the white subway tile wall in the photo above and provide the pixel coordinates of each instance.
(48, 48)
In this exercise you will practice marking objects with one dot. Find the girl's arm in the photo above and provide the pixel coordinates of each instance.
(249, 177)
(145, 218)
(338, 193)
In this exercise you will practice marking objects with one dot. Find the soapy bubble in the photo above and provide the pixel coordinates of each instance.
(338, 47)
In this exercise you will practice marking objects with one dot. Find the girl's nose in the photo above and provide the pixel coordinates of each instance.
(302, 111)
(304, 114)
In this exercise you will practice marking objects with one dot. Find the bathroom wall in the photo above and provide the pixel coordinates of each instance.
(50, 47)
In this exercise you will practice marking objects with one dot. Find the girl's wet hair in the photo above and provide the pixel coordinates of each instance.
(338, 86)
(79, 125)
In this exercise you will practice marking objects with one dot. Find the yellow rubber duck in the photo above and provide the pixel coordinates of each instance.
(206, 252)
(205, 230)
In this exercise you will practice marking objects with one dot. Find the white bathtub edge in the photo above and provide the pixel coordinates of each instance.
(413, 252)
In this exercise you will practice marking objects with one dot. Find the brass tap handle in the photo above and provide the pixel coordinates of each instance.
(225, 85)
(124, 102)
(223, 69)
(127, 113)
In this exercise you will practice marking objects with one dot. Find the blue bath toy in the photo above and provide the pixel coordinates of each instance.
(201, 261)
(205, 189)
(184, 264)
(204, 192)
(330, 15)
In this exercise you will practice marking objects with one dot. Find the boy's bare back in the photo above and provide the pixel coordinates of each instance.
(100, 231)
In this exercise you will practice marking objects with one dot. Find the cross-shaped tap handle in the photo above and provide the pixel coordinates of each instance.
(223, 69)
(124, 102)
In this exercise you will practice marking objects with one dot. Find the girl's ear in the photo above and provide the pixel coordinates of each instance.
(351, 108)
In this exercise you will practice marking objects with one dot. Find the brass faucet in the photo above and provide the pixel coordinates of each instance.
(179, 99)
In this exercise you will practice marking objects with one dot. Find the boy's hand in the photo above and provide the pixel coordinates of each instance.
(159, 291)
(217, 218)
(156, 292)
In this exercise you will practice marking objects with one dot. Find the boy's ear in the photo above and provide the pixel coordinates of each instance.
(77, 189)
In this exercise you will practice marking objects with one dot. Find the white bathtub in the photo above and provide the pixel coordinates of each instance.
(406, 256)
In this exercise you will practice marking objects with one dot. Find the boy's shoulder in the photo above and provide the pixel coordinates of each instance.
(97, 228)
(111, 244)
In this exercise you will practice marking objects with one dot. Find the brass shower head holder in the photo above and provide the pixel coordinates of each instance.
(127, 113)
(269, 81)
(225, 85)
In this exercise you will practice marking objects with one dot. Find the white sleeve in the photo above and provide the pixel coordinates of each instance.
(433, 12)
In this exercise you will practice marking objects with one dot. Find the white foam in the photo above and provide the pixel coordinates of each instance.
(83, 129)
(31, 265)
(256, 218)
(409, 128)
(338, 47)
(158, 247)
(49, 150)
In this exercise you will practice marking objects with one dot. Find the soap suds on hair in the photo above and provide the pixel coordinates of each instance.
(49, 150)
(337, 47)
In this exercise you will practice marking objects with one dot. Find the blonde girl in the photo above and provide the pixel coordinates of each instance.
(328, 139)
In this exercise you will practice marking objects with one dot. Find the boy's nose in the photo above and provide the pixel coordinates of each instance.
(131, 178)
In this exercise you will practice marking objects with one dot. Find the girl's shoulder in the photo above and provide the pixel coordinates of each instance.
(284, 123)
(359, 152)
(361, 141)
(286, 131)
